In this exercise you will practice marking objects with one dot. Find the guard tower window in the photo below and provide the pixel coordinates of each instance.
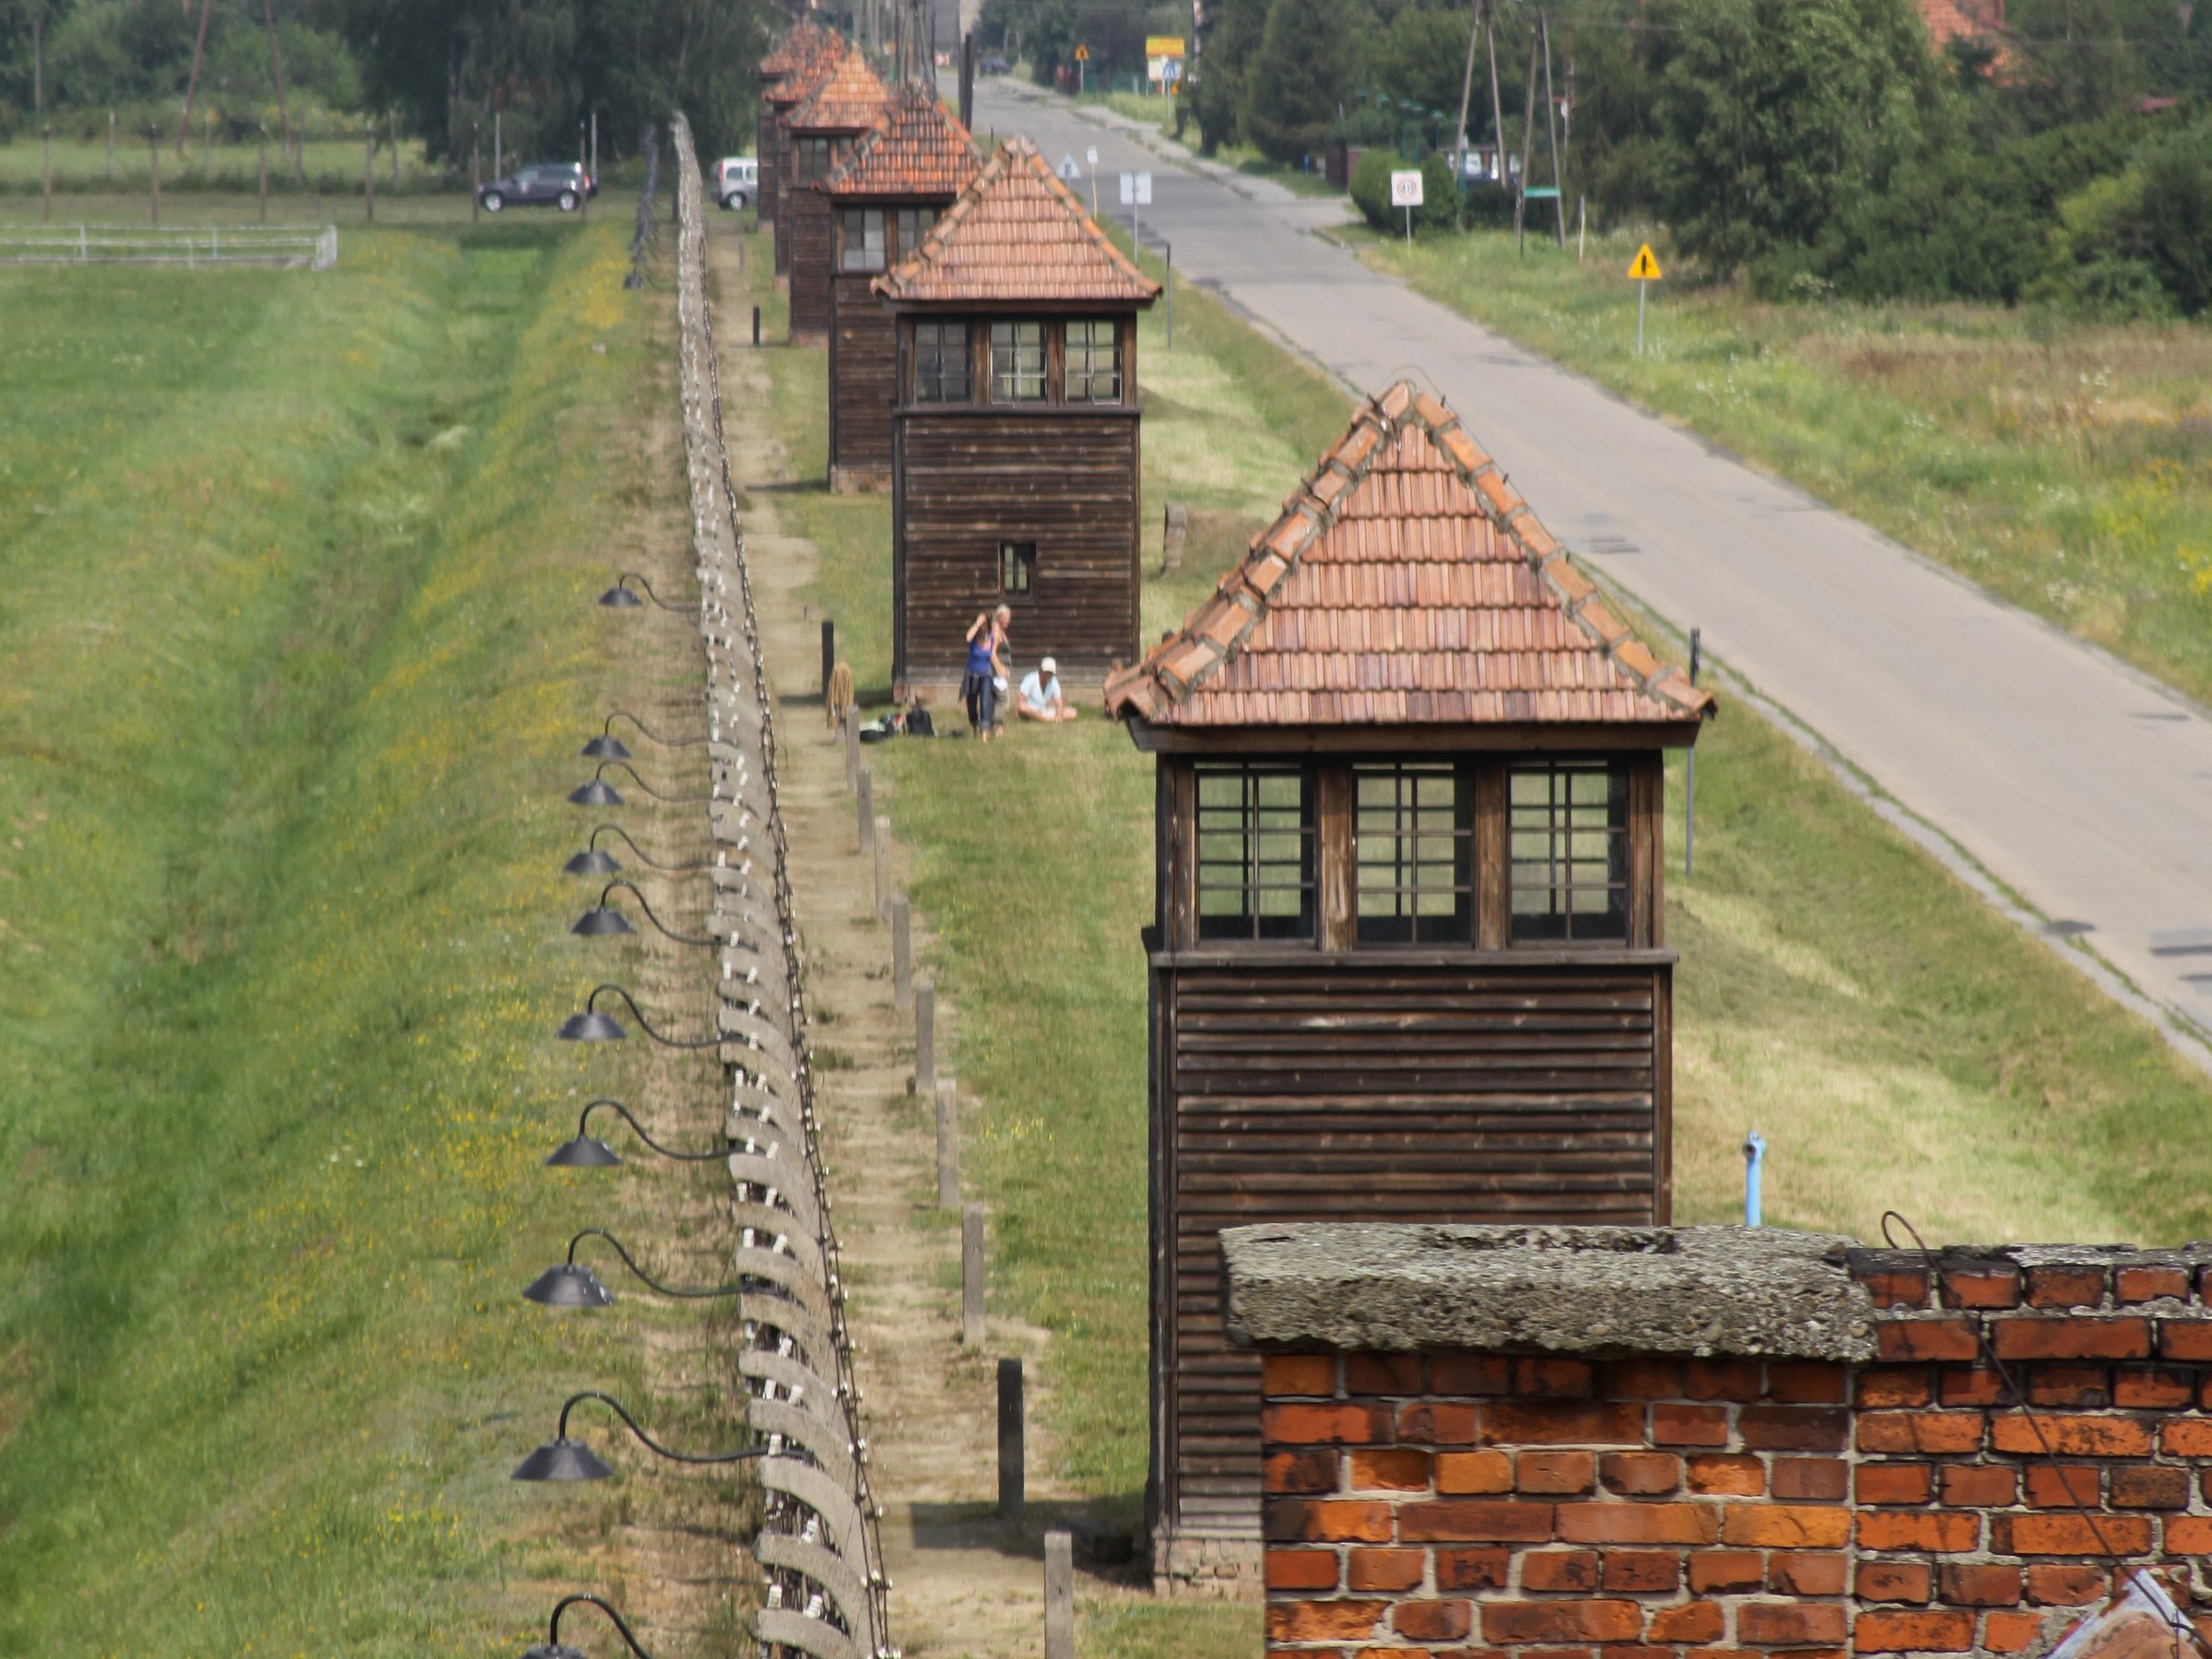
(1094, 362)
(941, 362)
(1017, 362)
(1256, 835)
(1569, 828)
(862, 239)
(1415, 828)
(913, 224)
(813, 160)
(1017, 569)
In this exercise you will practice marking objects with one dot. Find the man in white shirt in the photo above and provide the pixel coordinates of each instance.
(1040, 696)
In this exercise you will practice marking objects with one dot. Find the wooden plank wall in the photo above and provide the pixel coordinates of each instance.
(1064, 478)
(764, 152)
(811, 227)
(1371, 1091)
(864, 378)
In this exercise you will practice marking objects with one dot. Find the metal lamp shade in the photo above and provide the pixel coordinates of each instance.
(585, 1152)
(605, 746)
(597, 792)
(542, 1652)
(620, 599)
(599, 922)
(591, 1027)
(562, 1460)
(569, 1285)
(592, 861)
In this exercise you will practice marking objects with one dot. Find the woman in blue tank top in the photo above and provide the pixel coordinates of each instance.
(986, 667)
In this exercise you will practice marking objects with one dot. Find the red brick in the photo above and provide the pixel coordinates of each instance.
(1316, 1568)
(1559, 1569)
(1432, 1620)
(1805, 1572)
(1883, 1632)
(1563, 1621)
(2009, 1632)
(1324, 1425)
(2151, 1487)
(2186, 1437)
(2060, 1533)
(1796, 1478)
(2189, 1534)
(1722, 1571)
(1298, 1375)
(1323, 1620)
(1785, 1527)
(1730, 1475)
(1794, 1429)
(1475, 1523)
(2061, 1336)
(2065, 1286)
(1970, 1584)
(1931, 1534)
(1890, 1286)
(1555, 1473)
(1985, 1284)
(2070, 1436)
(1692, 1623)
(1640, 1474)
(1942, 1339)
(2070, 1385)
(1894, 1581)
(1641, 1572)
(1950, 1432)
(1974, 1385)
(2152, 1388)
(1721, 1379)
(1473, 1474)
(1980, 1485)
(1638, 1524)
(1789, 1624)
(1883, 1386)
(2060, 1486)
(1300, 1471)
(1553, 1379)
(1690, 1425)
(2067, 1587)
(1642, 1380)
(2149, 1284)
(1339, 1520)
(1387, 1468)
(2185, 1339)
(1469, 1374)
(1894, 1483)
(1473, 1569)
(1806, 1382)
(1561, 1423)
(1378, 1569)
(1383, 1375)
(1436, 1423)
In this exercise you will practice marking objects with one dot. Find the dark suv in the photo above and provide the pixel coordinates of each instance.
(563, 185)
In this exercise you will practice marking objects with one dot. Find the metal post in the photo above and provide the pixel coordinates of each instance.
(392, 126)
(948, 1143)
(1642, 287)
(756, 326)
(829, 654)
(852, 748)
(499, 143)
(1690, 769)
(1755, 1157)
(369, 173)
(864, 804)
(264, 172)
(46, 212)
(153, 145)
(207, 144)
(111, 149)
(1059, 1590)
(925, 1037)
(1170, 288)
(475, 172)
(902, 961)
(972, 1274)
(883, 868)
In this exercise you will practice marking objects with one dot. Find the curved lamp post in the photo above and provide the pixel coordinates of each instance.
(561, 1458)
(601, 922)
(551, 1649)
(591, 1026)
(619, 597)
(587, 1151)
(600, 792)
(569, 1284)
(592, 862)
(608, 746)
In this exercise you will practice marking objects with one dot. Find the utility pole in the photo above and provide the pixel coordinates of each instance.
(1528, 133)
(1497, 105)
(38, 61)
(199, 51)
(283, 118)
(1551, 123)
(1466, 93)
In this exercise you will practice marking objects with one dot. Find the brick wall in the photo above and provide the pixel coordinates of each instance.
(1450, 1502)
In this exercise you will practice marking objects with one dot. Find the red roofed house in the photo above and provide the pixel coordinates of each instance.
(814, 67)
(883, 198)
(847, 104)
(795, 50)
(1013, 445)
(1408, 961)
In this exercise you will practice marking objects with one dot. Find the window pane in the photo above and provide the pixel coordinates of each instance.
(1567, 842)
(1415, 828)
(941, 362)
(1255, 837)
(1094, 371)
(1017, 362)
(864, 239)
(913, 224)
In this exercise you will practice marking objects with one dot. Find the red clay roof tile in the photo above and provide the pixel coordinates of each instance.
(809, 72)
(918, 148)
(804, 39)
(850, 99)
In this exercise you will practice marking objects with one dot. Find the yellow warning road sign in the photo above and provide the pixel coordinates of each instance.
(1082, 55)
(1643, 267)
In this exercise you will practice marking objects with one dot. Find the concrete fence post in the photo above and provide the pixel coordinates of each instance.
(925, 1037)
(883, 868)
(948, 1144)
(866, 808)
(1059, 1594)
(852, 748)
(1011, 1459)
(902, 957)
(972, 1274)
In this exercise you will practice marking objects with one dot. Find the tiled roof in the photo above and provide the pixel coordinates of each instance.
(812, 69)
(804, 40)
(1018, 233)
(917, 150)
(1406, 583)
(850, 99)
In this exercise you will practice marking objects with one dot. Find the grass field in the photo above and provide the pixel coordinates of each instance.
(300, 647)
(2066, 465)
(1895, 1042)
(332, 166)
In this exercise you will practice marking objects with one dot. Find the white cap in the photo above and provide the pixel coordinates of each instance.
(1048, 666)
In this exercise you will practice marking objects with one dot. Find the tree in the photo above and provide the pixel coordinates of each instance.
(1225, 47)
(1295, 87)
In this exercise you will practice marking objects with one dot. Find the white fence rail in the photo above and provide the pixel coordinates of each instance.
(314, 246)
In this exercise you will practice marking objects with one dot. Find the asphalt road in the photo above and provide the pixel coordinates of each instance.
(2075, 781)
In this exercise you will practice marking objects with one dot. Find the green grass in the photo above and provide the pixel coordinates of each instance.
(332, 166)
(299, 649)
(1160, 112)
(2064, 464)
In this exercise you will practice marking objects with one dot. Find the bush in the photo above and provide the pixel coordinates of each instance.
(1438, 209)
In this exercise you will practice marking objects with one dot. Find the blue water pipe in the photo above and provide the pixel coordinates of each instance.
(1755, 1155)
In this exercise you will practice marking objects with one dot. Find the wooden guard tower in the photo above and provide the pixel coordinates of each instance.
(821, 132)
(793, 53)
(794, 90)
(1014, 443)
(883, 198)
(1409, 961)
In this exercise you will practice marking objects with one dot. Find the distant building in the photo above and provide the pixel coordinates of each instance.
(820, 134)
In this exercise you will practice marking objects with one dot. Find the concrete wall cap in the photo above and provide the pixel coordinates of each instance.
(1591, 1290)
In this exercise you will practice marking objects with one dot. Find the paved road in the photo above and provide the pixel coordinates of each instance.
(2075, 781)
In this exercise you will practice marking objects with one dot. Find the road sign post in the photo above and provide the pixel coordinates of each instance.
(1406, 191)
(1082, 68)
(1136, 195)
(1090, 156)
(1644, 269)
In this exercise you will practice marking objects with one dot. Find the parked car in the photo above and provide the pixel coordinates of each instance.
(736, 182)
(563, 185)
(995, 64)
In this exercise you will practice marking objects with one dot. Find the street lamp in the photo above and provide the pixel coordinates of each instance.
(608, 746)
(551, 1649)
(619, 597)
(569, 1284)
(592, 862)
(563, 1459)
(600, 921)
(591, 1026)
(599, 793)
(587, 1151)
